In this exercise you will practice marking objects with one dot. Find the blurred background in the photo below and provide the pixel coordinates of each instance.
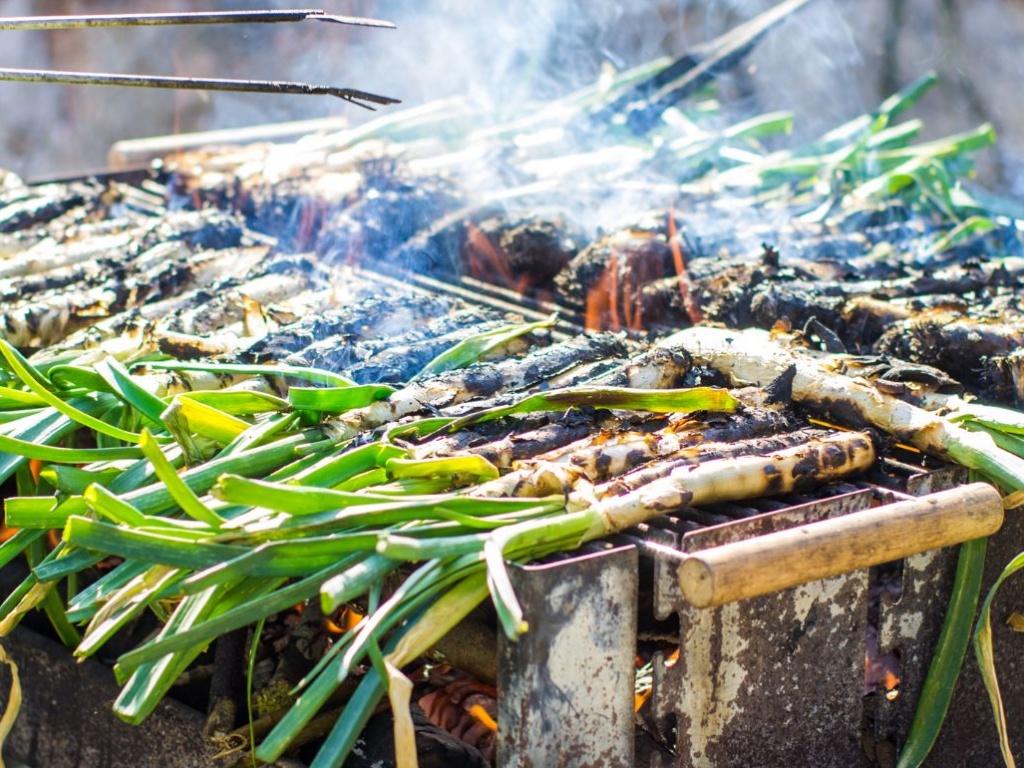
(834, 60)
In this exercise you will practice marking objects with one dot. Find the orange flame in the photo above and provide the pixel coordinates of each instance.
(890, 681)
(640, 699)
(685, 287)
(598, 304)
(481, 715)
(881, 673)
(611, 305)
(486, 262)
(346, 620)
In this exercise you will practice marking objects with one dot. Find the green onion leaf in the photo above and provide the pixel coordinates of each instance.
(312, 375)
(337, 399)
(180, 492)
(948, 657)
(239, 403)
(32, 380)
(470, 350)
(472, 468)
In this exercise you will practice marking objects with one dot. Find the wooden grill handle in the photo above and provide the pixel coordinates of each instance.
(777, 561)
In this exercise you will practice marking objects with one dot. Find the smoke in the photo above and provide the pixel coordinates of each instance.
(825, 64)
(493, 53)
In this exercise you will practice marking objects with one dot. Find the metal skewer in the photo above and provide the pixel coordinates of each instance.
(190, 17)
(354, 96)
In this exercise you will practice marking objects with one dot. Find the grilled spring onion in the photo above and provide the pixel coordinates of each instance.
(481, 380)
(227, 563)
(142, 517)
(752, 356)
(993, 450)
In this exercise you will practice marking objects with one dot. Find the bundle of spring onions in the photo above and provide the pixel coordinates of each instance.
(168, 484)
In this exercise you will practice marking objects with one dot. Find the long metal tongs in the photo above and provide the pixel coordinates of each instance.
(357, 97)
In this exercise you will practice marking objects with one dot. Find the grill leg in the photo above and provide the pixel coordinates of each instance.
(566, 687)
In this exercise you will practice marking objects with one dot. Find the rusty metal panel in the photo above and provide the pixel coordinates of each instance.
(668, 597)
(937, 480)
(566, 687)
(910, 621)
(775, 680)
(780, 520)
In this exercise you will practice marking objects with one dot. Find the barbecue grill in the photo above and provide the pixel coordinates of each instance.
(280, 250)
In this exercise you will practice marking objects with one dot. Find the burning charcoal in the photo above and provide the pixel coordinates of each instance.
(288, 210)
(605, 278)
(523, 251)
(663, 303)
(518, 251)
(437, 250)
(770, 304)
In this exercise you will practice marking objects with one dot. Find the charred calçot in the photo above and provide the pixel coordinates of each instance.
(478, 381)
